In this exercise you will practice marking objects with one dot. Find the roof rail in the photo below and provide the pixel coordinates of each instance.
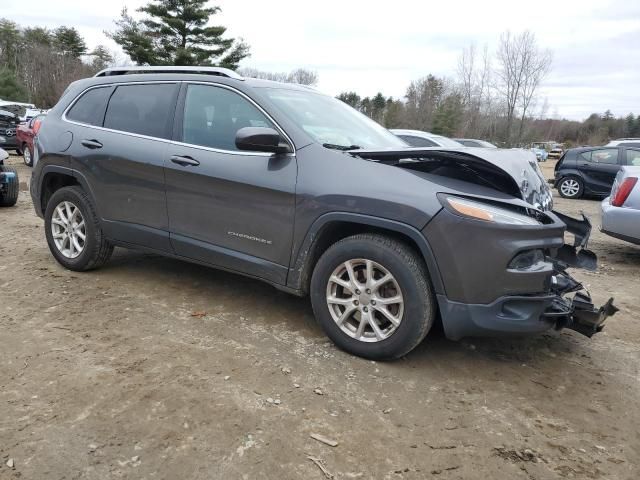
(222, 72)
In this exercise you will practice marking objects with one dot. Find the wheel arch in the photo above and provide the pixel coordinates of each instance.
(332, 227)
(54, 178)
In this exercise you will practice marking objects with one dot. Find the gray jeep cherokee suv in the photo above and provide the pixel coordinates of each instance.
(289, 186)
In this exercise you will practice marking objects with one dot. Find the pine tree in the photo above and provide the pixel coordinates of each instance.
(175, 32)
(101, 58)
(68, 41)
(10, 89)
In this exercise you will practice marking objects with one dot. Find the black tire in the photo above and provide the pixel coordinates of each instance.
(27, 161)
(10, 195)
(97, 249)
(570, 178)
(408, 269)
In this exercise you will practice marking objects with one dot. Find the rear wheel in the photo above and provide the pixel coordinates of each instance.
(27, 155)
(9, 196)
(73, 231)
(371, 295)
(571, 187)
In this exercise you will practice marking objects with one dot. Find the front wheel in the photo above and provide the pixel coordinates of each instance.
(73, 231)
(27, 155)
(372, 297)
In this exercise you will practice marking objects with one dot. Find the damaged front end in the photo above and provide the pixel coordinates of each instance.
(578, 312)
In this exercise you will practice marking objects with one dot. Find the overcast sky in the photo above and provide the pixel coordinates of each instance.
(370, 46)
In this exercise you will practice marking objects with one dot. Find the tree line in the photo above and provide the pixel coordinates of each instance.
(492, 96)
(37, 64)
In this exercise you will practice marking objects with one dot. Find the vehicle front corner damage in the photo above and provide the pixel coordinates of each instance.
(578, 312)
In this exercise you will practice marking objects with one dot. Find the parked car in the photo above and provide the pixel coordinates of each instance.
(624, 142)
(621, 210)
(9, 182)
(540, 151)
(472, 142)
(591, 170)
(8, 123)
(556, 152)
(25, 134)
(284, 184)
(418, 138)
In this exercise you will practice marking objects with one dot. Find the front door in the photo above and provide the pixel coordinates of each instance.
(226, 207)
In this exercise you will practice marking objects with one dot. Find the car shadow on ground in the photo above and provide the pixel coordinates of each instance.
(201, 288)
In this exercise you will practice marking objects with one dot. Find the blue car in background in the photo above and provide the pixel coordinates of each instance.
(540, 151)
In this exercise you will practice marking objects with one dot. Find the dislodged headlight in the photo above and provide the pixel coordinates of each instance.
(487, 212)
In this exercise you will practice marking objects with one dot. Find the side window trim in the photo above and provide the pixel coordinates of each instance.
(179, 119)
(103, 113)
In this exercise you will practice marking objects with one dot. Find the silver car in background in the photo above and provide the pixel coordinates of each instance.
(418, 138)
(621, 210)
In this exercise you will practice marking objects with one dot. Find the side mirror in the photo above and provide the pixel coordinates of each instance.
(261, 139)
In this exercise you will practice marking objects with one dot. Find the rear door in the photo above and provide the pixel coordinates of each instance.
(632, 157)
(227, 207)
(599, 167)
(119, 146)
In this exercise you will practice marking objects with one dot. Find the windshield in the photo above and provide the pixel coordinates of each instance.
(331, 122)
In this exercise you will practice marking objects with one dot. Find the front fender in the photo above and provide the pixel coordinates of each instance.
(301, 268)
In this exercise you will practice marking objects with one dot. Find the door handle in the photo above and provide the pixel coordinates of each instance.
(93, 144)
(184, 161)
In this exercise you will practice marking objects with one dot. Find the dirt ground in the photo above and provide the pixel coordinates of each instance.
(155, 369)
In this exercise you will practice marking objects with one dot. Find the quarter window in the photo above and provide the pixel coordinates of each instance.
(213, 116)
(89, 108)
(606, 156)
(142, 109)
(633, 158)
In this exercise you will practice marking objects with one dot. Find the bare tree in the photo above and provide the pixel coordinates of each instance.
(537, 66)
(303, 76)
(300, 76)
(521, 68)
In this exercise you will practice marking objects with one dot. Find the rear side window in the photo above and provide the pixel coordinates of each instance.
(633, 158)
(142, 109)
(89, 108)
(607, 156)
(418, 141)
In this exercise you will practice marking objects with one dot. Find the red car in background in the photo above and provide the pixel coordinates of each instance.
(25, 134)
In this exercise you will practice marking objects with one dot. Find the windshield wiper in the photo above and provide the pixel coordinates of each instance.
(341, 147)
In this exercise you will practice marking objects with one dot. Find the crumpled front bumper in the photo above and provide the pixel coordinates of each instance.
(578, 312)
(485, 297)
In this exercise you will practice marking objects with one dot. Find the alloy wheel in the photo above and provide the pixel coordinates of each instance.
(26, 155)
(68, 229)
(570, 187)
(365, 300)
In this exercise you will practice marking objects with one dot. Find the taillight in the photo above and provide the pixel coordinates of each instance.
(621, 192)
(36, 126)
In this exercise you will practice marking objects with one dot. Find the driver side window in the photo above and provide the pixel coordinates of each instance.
(213, 116)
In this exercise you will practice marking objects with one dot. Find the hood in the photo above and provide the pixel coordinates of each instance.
(8, 118)
(515, 171)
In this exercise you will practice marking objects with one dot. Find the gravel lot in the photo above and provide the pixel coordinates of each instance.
(155, 369)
